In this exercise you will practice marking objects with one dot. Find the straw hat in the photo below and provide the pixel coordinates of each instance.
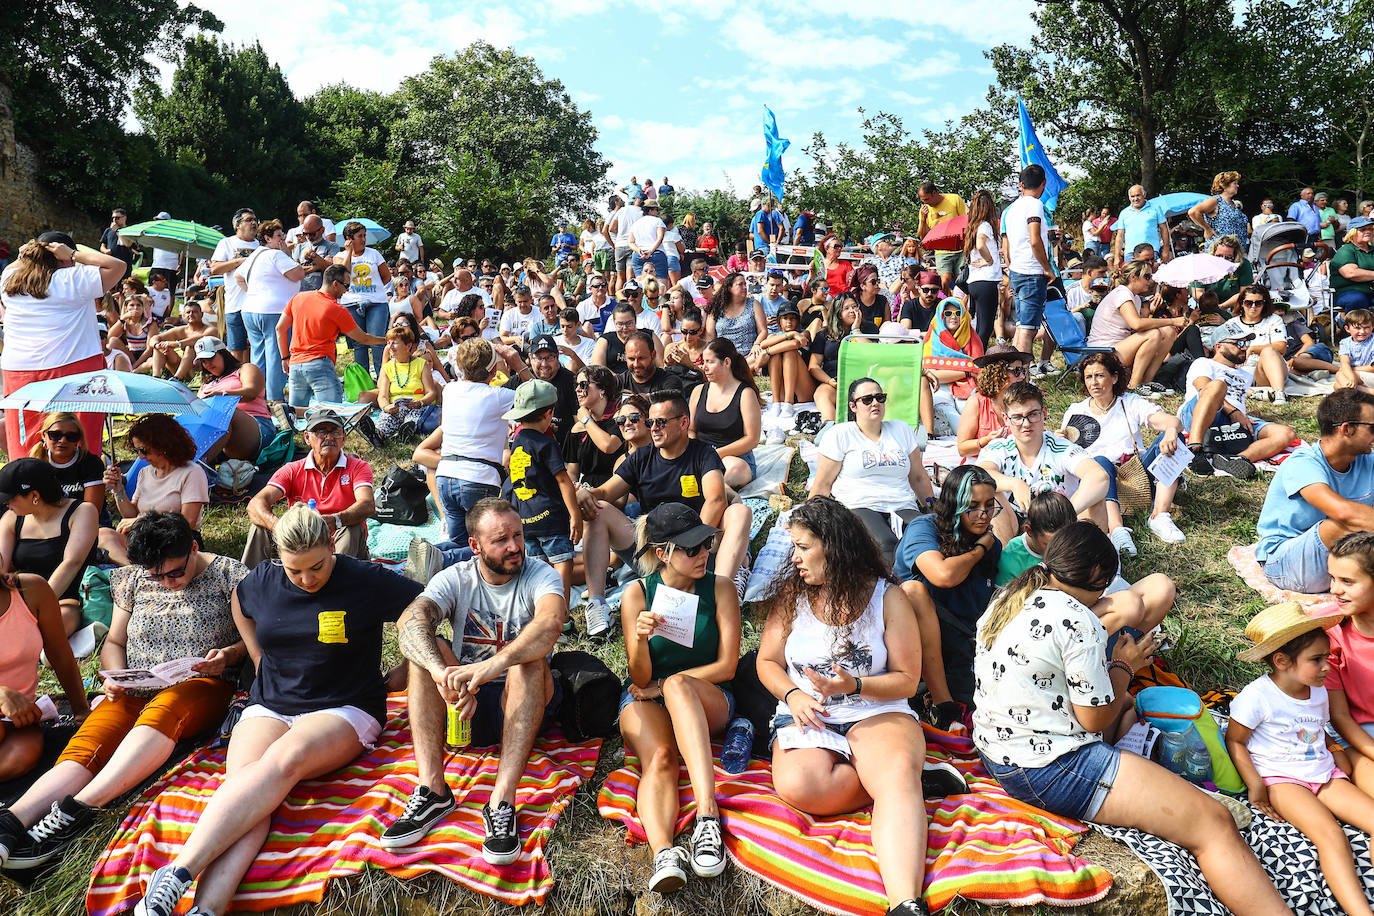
(1274, 626)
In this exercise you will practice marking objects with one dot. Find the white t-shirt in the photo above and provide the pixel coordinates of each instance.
(471, 420)
(670, 240)
(295, 231)
(1109, 326)
(601, 242)
(1269, 330)
(229, 248)
(268, 288)
(873, 475)
(1048, 658)
(162, 302)
(583, 348)
(366, 283)
(411, 243)
(1238, 381)
(1052, 468)
(164, 259)
(624, 218)
(453, 297)
(1260, 219)
(1018, 219)
(1288, 735)
(992, 271)
(486, 618)
(55, 331)
(648, 321)
(587, 310)
(645, 232)
(586, 241)
(1116, 435)
(515, 324)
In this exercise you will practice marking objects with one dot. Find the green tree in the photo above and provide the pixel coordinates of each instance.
(343, 122)
(725, 210)
(230, 109)
(71, 68)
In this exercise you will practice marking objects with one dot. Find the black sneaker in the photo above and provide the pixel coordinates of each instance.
(502, 843)
(1236, 466)
(423, 810)
(51, 836)
(165, 889)
(12, 834)
(368, 430)
(940, 780)
(909, 908)
(708, 848)
(1200, 465)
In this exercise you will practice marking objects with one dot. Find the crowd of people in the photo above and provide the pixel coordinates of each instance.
(587, 422)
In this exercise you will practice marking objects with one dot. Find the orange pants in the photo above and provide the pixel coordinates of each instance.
(12, 380)
(181, 711)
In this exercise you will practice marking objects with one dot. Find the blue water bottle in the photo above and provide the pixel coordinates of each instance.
(314, 507)
(1197, 760)
(739, 746)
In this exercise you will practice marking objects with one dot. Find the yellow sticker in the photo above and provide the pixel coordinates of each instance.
(520, 461)
(332, 626)
(689, 485)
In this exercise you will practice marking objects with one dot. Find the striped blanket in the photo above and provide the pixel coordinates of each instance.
(985, 846)
(330, 828)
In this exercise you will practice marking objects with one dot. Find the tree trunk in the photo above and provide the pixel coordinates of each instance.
(1148, 153)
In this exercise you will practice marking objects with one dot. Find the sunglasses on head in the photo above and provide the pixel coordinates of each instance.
(868, 399)
(628, 418)
(55, 435)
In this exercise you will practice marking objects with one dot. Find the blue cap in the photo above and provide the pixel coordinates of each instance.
(1360, 222)
(877, 237)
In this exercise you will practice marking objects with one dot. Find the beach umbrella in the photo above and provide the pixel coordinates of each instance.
(375, 232)
(1194, 268)
(948, 235)
(179, 235)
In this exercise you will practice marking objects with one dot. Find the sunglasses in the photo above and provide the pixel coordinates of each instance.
(693, 551)
(1254, 301)
(1017, 372)
(141, 450)
(583, 386)
(626, 419)
(58, 436)
(660, 422)
(598, 286)
(633, 295)
(170, 575)
(691, 332)
(930, 289)
(868, 399)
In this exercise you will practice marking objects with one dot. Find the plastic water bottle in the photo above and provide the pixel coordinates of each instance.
(1197, 760)
(1172, 749)
(314, 507)
(739, 745)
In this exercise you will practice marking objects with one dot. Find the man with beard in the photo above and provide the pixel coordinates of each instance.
(1217, 389)
(642, 375)
(544, 365)
(506, 611)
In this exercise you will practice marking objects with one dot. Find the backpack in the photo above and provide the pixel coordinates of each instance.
(356, 380)
(401, 499)
(591, 695)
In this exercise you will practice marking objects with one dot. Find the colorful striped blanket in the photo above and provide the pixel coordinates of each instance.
(985, 846)
(330, 828)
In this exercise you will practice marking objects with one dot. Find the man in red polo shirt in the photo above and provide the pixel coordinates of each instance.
(340, 484)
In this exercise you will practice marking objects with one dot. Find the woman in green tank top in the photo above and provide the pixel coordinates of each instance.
(677, 696)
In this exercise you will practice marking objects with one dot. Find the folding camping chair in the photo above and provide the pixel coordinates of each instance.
(1069, 337)
(894, 364)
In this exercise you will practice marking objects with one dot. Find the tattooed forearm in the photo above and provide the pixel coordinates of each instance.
(416, 631)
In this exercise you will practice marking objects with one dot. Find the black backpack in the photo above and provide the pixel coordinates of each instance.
(591, 695)
(401, 497)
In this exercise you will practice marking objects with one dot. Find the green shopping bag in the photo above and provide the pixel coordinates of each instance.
(356, 380)
(896, 365)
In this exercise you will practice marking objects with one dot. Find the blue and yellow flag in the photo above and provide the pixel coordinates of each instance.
(772, 174)
(1032, 153)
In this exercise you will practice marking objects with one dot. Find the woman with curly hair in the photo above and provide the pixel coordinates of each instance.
(982, 419)
(1220, 214)
(171, 481)
(950, 558)
(732, 314)
(842, 654)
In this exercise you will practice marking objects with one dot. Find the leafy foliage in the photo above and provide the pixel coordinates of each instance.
(727, 213)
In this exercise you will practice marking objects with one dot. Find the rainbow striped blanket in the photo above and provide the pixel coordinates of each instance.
(985, 846)
(330, 828)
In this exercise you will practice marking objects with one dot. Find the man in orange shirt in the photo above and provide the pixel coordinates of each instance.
(312, 323)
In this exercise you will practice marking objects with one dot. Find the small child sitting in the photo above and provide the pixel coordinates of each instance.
(1277, 739)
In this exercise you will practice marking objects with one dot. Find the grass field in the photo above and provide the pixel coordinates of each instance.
(597, 874)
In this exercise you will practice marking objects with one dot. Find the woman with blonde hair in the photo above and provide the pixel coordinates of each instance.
(1049, 685)
(80, 472)
(48, 295)
(303, 719)
(1220, 214)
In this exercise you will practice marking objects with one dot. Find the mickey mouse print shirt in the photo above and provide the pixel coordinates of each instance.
(1049, 657)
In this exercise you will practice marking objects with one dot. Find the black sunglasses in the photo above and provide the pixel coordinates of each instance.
(55, 435)
(627, 419)
(868, 399)
(693, 551)
(691, 331)
(170, 575)
(140, 450)
(1254, 302)
(660, 422)
(582, 386)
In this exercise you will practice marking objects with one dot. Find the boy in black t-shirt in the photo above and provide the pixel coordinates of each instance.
(540, 486)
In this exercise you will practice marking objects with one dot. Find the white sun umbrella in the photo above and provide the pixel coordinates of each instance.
(1194, 268)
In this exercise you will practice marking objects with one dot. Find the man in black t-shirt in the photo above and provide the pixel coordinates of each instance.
(112, 244)
(544, 365)
(673, 468)
(641, 375)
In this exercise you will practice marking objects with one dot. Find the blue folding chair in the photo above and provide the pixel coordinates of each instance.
(1069, 337)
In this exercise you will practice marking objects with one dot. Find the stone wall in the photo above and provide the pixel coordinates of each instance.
(26, 206)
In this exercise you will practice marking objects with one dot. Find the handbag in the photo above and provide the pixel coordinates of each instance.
(590, 706)
(1227, 438)
(1133, 492)
(401, 499)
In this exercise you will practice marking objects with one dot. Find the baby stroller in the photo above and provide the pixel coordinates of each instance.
(1277, 253)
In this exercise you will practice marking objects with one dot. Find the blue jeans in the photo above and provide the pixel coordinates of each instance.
(1072, 785)
(1348, 300)
(372, 317)
(235, 334)
(457, 497)
(1028, 297)
(317, 377)
(266, 355)
(659, 259)
(1300, 564)
(454, 553)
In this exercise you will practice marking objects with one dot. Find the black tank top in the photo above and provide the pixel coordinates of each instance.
(615, 352)
(42, 556)
(717, 429)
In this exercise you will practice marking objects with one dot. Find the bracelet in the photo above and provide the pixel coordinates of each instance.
(1118, 663)
(858, 686)
(788, 694)
(979, 544)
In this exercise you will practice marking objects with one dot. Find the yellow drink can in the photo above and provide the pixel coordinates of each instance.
(459, 729)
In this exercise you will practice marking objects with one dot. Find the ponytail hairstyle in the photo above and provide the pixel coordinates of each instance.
(955, 495)
(1079, 556)
(301, 529)
(723, 348)
(32, 274)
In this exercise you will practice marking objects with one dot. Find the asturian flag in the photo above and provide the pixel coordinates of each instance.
(1032, 153)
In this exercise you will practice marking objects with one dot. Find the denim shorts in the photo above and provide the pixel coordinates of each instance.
(626, 700)
(748, 458)
(1072, 785)
(267, 431)
(235, 331)
(1185, 413)
(1299, 564)
(1322, 352)
(1028, 295)
(551, 548)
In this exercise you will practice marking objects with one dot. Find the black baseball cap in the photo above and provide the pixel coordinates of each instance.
(58, 236)
(543, 342)
(674, 523)
(29, 475)
(789, 308)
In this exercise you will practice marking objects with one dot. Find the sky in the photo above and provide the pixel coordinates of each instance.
(673, 89)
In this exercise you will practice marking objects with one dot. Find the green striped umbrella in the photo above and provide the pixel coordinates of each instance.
(179, 235)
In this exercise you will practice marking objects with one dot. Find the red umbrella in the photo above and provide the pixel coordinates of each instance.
(947, 236)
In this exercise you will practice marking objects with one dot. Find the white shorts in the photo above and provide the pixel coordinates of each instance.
(367, 727)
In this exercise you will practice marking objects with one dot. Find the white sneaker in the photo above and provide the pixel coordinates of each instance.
(598, 614)
(1280, 396)
(1162, 526)
(1123, 542)
(787, 410)
(776, 436)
